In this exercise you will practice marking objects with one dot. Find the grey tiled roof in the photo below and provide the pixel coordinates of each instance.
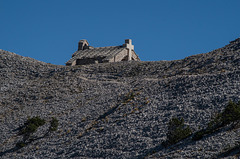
(105, 52)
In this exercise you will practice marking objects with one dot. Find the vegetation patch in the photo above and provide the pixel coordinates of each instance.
(53, 125)
(130, 96)
(31, 126)
(230, 115)
(177, 131)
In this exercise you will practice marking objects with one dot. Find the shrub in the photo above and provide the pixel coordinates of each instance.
(31, 125)
(177, 131)
(53, 124)
(230, 115)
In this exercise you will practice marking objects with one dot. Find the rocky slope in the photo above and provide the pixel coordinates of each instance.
(118, 110)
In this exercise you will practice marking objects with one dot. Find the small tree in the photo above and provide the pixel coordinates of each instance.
(230, 115)
(177, 131)
(31, 126)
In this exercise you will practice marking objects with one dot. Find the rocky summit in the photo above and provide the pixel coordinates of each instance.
(118, 110)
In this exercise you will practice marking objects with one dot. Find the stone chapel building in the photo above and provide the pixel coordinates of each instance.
(89, 55)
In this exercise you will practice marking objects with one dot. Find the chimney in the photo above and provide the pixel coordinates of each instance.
(82, 45)
(128, 41)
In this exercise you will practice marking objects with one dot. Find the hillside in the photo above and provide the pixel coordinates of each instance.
(118, 110)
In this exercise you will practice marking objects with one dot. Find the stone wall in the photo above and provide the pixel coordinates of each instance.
(89, 61)
(121, 55)
(135, 57)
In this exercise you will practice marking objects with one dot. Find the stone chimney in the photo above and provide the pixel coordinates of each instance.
(82, 45)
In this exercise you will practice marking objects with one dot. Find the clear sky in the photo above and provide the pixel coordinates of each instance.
(49, 30)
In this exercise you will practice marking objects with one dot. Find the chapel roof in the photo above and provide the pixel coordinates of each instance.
(86, 52)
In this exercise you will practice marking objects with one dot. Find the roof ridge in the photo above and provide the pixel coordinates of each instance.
(108, 46)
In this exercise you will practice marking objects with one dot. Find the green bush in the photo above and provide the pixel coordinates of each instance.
(230, 115)
(31, 125)
(177, 131)
(53, 124)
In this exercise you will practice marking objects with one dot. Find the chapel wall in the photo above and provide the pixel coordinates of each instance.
(135, 57)
(121, 55)
(89, 61)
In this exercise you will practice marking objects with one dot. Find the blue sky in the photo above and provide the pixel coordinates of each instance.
(49, 30)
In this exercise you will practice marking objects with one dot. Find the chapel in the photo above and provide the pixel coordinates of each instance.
(87, 54)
